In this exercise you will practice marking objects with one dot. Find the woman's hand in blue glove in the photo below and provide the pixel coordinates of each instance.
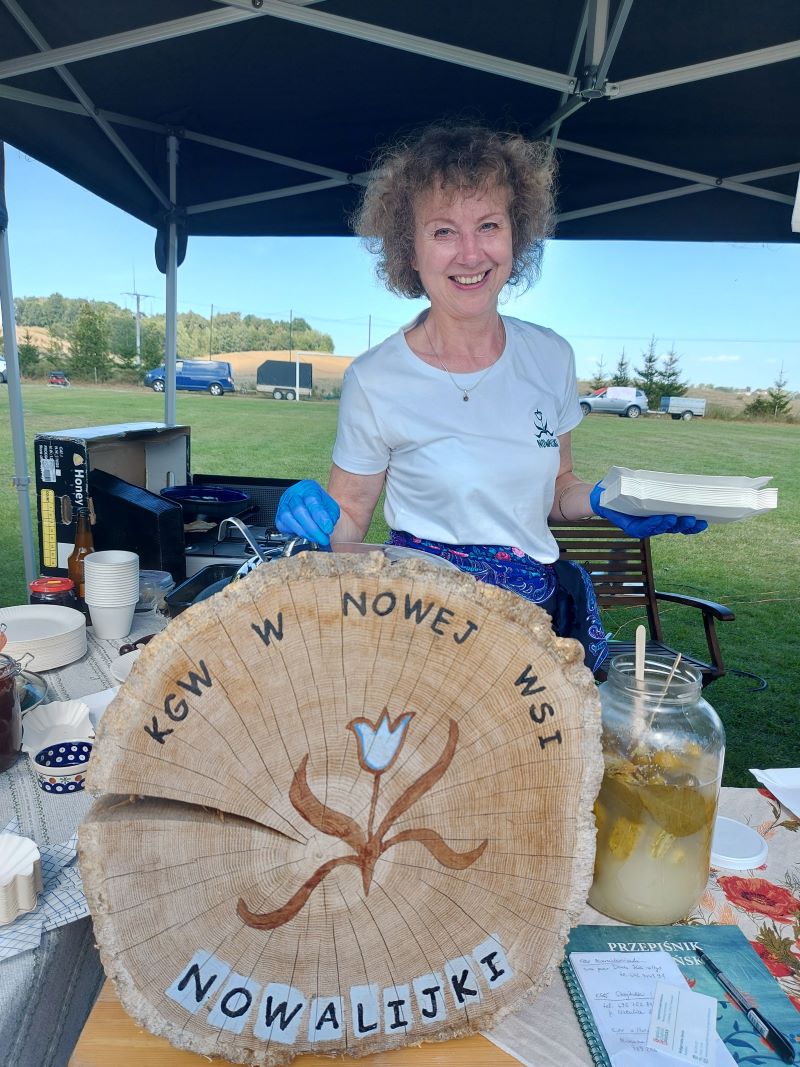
(647, 525)
(307, 510)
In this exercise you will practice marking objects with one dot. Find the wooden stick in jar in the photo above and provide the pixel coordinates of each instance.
(638, 663)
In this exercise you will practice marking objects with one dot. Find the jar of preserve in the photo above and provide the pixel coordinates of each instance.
(663, 748)
(53, 591)
(10, 717)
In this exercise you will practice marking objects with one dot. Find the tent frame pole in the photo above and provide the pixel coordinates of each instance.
(171, 332)
(713, 182)
(671, 194)
(238, 10)
(88, 105)
(21, 480)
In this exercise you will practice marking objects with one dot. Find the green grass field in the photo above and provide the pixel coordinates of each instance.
(753, 566)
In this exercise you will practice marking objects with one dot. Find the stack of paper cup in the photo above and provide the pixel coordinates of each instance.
(112, 590)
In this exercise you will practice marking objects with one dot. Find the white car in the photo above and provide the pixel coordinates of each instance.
(2, 370)
(616, 400)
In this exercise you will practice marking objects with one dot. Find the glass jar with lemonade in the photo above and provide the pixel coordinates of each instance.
(663, 747)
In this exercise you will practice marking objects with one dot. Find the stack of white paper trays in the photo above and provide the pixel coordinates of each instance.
(714, 498)
(52, 635)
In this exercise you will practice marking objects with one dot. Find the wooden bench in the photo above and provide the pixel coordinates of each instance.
(621, 569)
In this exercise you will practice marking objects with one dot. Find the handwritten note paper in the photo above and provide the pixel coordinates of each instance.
(620, 989)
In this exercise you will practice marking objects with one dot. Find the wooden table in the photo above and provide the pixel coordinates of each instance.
(112, 1039)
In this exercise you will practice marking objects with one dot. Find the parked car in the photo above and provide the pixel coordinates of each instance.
(2, 370)
(683, 407)
(213, 376)
(58, 377)
(616, 400)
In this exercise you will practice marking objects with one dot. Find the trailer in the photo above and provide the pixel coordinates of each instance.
(683, 407)
(284, 379)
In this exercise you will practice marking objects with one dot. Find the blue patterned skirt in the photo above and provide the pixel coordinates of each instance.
(563, 588)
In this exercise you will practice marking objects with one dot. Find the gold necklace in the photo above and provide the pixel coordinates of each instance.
(462, 388)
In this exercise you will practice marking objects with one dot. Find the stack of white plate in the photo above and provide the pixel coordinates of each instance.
(715, 498)
(47, 634)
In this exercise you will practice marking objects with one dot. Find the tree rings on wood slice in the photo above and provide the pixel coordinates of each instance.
(347, 806)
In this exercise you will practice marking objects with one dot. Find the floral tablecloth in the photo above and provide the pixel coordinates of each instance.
(763, 902)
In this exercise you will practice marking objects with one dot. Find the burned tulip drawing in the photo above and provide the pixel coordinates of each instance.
(379, 744)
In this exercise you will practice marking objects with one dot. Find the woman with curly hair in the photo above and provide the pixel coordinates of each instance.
(464, 415)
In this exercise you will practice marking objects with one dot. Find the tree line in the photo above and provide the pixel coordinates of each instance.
(658, 375)
(102, 337)
(661, 376)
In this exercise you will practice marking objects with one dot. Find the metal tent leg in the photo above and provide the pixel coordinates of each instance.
(171, 339)
(21, 479)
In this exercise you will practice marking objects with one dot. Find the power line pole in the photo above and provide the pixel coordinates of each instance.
(211, 333)
(139, 297)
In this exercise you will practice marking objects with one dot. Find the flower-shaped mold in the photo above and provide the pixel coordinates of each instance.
(61, 767)
(20, 876)
(61, 720)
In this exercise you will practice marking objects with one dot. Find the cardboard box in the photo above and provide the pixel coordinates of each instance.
(146, 454)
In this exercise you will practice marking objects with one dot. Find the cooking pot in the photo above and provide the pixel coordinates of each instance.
(209, 502)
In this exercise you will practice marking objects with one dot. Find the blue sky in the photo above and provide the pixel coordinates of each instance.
(730, 311)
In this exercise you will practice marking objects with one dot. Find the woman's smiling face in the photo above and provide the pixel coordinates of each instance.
(463, 248)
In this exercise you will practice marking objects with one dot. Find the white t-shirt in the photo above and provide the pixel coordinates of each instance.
(481, 472)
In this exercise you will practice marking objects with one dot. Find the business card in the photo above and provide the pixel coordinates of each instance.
(683, 1024)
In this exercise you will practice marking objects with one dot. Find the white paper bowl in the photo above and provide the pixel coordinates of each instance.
(20, 876)
(115, 559)
(110, 623)
(58, 721)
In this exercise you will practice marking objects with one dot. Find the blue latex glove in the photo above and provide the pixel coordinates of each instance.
(307, 510)
(645, 525)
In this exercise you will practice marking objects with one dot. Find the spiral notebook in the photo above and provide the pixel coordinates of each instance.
(727, 946)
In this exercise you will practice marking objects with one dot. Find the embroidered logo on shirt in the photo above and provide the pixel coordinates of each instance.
(545, 438)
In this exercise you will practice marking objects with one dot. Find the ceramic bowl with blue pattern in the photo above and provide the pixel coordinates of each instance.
(61, 767)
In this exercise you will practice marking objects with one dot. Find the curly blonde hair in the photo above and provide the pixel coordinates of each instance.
(464, 159)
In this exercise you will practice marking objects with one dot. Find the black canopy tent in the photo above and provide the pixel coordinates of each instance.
(271, 99)
(674, 121)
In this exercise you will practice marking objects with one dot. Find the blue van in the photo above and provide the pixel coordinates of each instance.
(196, 375)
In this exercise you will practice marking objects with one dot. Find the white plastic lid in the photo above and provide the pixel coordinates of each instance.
(736, 846)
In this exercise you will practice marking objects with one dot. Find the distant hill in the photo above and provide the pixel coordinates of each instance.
(40, 336)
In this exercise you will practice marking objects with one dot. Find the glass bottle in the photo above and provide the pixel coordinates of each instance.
(10, 717)
(663, 748)
(84, 545)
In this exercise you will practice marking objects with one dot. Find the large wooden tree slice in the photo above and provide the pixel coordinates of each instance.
(348, 807)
